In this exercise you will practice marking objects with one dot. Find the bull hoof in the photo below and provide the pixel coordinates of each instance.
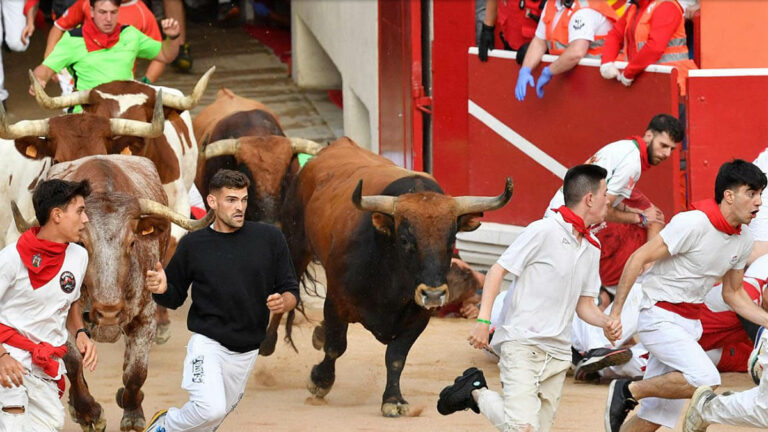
(395, 409)
(163, 333)
(96, 425)
(317, 391)
(133, 421)
(318, 337)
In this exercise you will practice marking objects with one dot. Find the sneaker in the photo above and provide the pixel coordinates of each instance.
(594, 360)
(617, 406)
(157, 424)
(755, 368)
(458, 396)
(693, 421)
(183, 61)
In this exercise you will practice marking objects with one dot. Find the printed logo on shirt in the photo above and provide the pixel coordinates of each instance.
(197, 370)
(67, 282)
(36, 260)
(565, 241)
(578, 24)
(735, 259)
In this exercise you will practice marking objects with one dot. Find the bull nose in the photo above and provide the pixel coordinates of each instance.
(107, 314)
(430, 297)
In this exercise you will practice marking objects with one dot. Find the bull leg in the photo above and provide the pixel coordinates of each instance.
(138, 339)
(83, 408)
(393, 404)
(324, 373)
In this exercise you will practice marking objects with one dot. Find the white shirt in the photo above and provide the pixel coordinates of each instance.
(700, 255)
(551, 270)
(39, 314)
(759, 225)
(622, 161)
(584, 24)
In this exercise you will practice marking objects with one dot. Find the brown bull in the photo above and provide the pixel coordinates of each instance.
(385, 237)
(128, 233)
(226, 104)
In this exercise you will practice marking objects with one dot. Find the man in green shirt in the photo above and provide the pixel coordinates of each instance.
(102, 50)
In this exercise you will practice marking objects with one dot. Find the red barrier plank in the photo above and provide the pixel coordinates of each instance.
(580, 113)
(728, 118)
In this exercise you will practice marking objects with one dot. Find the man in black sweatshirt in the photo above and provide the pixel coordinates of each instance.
(239, 272)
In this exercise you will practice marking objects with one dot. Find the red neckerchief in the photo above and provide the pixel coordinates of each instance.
(643, 149)
(95, 39)
(715, 216)
(42, 258)
(42, 354)
(578, 224)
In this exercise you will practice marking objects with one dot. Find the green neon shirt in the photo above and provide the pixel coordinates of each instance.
(90, 69)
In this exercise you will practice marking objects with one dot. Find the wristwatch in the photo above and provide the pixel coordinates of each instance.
(643, 220)
(82, 330)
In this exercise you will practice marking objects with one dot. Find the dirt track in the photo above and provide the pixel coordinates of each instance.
(275, 399)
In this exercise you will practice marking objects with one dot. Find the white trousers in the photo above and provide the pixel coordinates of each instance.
(43, 411)
(532, 382)
(12, 24)
(747, 408)
(215, 378)
(672, 343)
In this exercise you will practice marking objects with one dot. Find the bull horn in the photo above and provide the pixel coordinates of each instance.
(301, 145)
(189, 102)
(222, 147)
(473, 204)
(21, 224)
(140, 128)
(373, 203)
(22, 128)
(149, 207)
(57, 102)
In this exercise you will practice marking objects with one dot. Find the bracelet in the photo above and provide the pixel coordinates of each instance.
(643, 220)
(5, 353)
(484, 321)
(82, 330)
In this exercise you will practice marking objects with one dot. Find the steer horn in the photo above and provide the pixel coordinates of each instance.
(189, 102)
(301, 145)
(21, 224)
(58, 102)
(139, 128)
(373, 203)
(155, 208)
(22, 128)
(222, 147)
(474, 204)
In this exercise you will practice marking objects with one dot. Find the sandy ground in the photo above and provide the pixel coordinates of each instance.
(276, 395)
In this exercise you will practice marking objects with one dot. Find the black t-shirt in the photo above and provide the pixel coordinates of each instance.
(231, 276)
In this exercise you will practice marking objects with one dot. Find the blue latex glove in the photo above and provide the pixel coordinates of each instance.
(524, 78)
(260, 9)
(544, 78)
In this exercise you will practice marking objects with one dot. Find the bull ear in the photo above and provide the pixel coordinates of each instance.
(383, 223)
(151, 227)
(34, 147)
(469, 221)
(128, 146)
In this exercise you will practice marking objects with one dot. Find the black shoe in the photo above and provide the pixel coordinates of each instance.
(576, 356)
(458, 396)
(617, 406)
(594, 360)
(183, 61)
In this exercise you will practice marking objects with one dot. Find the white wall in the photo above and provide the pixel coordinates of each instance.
(332, 49)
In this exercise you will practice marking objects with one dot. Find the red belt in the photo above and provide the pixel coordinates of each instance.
(685, 310)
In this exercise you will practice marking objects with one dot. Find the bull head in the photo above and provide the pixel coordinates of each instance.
(421, 226)
(230, 146)
(83, 97)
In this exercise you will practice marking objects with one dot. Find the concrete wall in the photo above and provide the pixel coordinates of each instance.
(332, 49)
